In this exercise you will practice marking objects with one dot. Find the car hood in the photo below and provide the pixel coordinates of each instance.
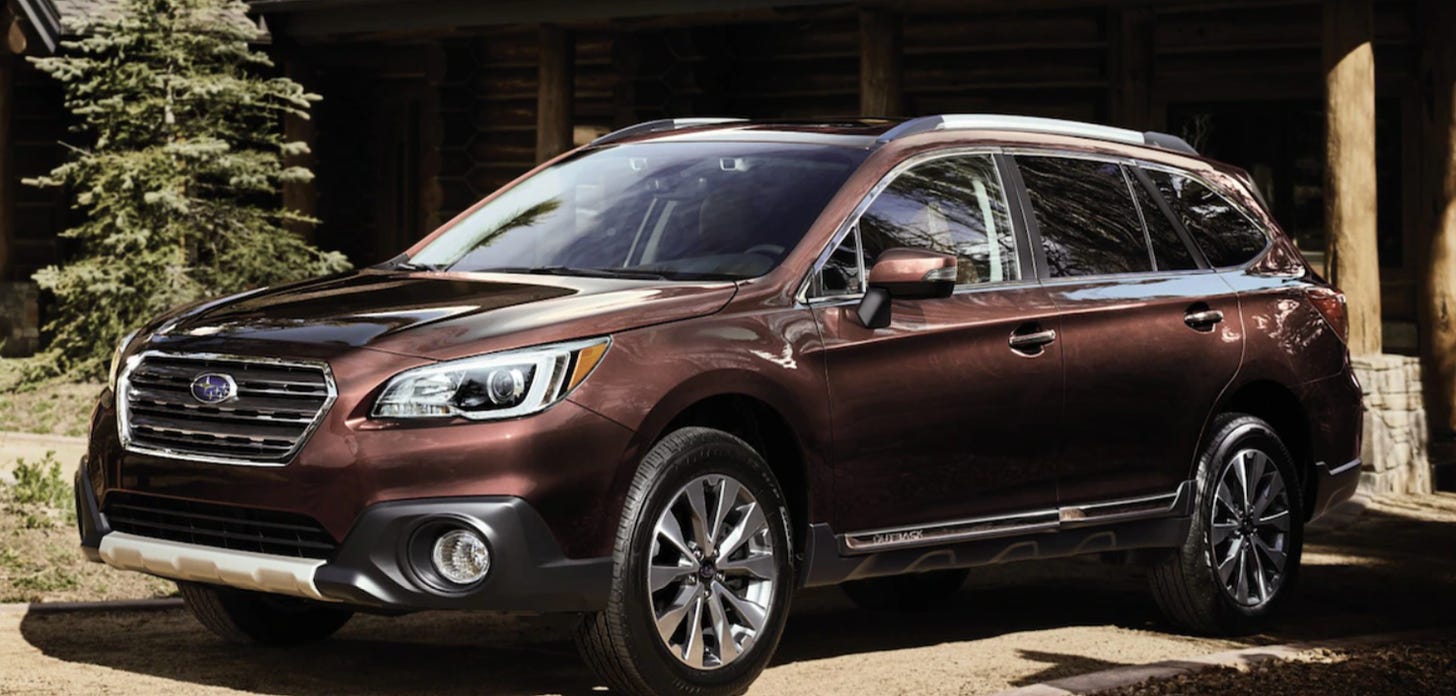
(432, 315)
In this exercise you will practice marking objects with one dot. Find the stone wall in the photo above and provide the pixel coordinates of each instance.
(1395, 438)
(19, 319)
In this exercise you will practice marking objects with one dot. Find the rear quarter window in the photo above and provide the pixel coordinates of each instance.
(1225, 233)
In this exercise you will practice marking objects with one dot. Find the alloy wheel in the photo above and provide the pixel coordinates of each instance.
(1249, 528)
(711, 572)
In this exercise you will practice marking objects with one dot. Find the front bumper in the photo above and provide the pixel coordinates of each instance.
(371, 567)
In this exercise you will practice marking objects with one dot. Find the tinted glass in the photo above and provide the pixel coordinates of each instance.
(1169, 251)
(840, 274)
(1226, 236)
(683, 210)
(1089, 223)
(953, 205)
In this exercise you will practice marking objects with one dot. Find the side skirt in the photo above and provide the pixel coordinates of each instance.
(1140, 523)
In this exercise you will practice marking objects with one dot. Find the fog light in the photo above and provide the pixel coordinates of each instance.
(461, 556)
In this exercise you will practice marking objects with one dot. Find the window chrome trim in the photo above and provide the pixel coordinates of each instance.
(123, 426)
(1220, 192)
(1143, 164)
(851, 222)
(1177, 503)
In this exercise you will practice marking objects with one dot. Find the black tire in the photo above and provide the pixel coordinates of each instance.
(914, 592)
(254, 617)
(622, 644)
(1186, 583)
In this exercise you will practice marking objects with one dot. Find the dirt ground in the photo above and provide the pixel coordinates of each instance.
(1423, 668)
(1011, 626)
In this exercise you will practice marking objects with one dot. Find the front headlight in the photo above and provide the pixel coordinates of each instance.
(494, 386)
(116, 356)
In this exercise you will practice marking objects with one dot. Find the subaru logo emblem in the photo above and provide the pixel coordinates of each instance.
(214, 388)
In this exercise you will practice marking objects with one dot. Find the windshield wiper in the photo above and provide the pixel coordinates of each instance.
(577, 271)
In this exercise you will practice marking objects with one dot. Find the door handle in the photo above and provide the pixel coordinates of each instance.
(1029, 340)
(1203, 320)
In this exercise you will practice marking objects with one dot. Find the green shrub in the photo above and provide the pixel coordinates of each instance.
(42, 483)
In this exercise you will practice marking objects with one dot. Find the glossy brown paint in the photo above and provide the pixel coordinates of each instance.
(1140, 381)
(933, 418)
(908, 266)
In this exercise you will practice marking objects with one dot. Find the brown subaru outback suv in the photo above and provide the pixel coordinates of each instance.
(671, 377)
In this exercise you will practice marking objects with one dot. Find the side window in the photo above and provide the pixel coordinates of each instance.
(840, 274)
(953, 205)
(1226, 236)
(1169, 251)
(1089, 223)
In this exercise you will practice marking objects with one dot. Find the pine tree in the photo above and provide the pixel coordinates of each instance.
(181, 176)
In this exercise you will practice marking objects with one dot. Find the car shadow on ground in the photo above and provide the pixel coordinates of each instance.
(1384, 573)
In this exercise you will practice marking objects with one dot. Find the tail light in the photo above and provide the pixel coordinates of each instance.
(1331, 305)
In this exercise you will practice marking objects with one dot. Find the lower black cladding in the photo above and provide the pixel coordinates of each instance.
(528, 572)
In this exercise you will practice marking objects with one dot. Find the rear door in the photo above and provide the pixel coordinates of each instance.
(937, 417)
(1150, 337)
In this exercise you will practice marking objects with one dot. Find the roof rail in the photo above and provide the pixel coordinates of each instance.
(926, 124)
(665, 124)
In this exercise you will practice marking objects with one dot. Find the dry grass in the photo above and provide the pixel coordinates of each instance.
(51, 408)
(39, 557)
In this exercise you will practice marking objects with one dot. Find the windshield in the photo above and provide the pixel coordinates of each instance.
(702, 210)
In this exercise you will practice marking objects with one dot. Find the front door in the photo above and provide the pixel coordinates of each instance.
(1149, 336)
(938, 418)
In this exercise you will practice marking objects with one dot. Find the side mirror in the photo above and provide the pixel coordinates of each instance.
(905, 274)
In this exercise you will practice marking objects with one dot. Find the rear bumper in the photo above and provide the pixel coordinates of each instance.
(372, 567)
(1333, 486)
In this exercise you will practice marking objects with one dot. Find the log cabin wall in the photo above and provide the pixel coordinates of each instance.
(488, 107)
(1245, 85)
(37, 128)
(415, 129)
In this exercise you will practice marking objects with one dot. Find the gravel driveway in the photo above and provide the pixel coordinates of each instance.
(1011, 626)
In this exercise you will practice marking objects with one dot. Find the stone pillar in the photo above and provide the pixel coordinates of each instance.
(554, 87)
(1437, 213)
(1395, 437)
(881, 91)
(1349, 64)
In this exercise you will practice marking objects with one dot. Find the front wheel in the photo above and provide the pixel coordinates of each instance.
(702, 572)
(1242, 553)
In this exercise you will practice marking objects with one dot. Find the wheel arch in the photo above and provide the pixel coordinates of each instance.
(1279, 406)
(754, 409)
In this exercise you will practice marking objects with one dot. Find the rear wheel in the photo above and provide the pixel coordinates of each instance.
(254, 617)
(916, 592)
(702, 572)
(1243, 549)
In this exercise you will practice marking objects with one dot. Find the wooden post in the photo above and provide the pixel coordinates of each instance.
(1437, 213)
(1350, 220)
(554, 92)
(1131, 67)
(7, 172)
(881, 91)
(301, 197)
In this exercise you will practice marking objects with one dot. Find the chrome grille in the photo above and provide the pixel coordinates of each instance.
(276, 406)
